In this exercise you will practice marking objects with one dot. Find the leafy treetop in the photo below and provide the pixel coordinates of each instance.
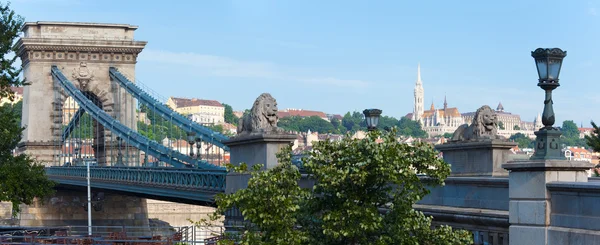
(354, 180)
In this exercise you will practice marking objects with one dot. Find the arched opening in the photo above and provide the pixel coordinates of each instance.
(84, 138)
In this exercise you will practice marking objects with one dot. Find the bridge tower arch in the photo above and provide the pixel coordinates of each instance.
(83, 51)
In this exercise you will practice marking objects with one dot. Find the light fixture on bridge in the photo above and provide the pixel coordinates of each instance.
(198, 146)
(191, 137)
(548, 62)
(372, 118)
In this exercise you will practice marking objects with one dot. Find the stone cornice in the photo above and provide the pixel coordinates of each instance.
(78, 50)
(80, 45)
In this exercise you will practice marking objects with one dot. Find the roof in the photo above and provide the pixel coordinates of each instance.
(578, 150)
(500, 107)
(300, 113)
(583, 130)
(409, 115)
(184, 102)
(452, 112)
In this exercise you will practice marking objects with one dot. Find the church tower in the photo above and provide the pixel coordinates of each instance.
(419, 94)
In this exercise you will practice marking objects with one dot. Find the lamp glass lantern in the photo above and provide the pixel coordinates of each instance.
(548, 62)
(191, 138)
(372, 118)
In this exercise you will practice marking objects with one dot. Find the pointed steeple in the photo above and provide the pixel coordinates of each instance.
(432, 107)
(445, 103)
(419, 74)
(500, 107)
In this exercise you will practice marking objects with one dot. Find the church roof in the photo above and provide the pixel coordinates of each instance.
(500, 107)
(452, 112)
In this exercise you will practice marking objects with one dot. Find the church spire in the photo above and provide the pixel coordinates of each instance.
(445, 103)
(419, 74)
(432, 107)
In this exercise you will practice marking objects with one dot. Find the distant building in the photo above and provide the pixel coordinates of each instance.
(69, 109)
(434, 121)
(238, 114)
(302, 113)
(17, 93)
(585, 131)
(578, 154)
(200, 111)
(512, 123)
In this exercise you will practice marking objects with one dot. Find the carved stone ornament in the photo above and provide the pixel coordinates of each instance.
(83, 76)
(484, 126)
(262, 117)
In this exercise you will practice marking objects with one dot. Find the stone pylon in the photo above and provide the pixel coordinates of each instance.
(83, 52)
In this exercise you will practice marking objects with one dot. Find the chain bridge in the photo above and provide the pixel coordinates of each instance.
(84, 107)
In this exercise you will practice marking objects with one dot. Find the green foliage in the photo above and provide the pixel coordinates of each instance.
(594, 140)
(10, 27)
(159, 128)
(448, 135)
(501, 125)
(409, 127)
(516, 127)
(569, 129)
(21, 179)
(354, 121)
(570, 134)
(229, 116)
(354, 181)
(523, 140)
(303, 124)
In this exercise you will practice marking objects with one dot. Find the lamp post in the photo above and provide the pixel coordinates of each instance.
(89, 189)
(191, 137)
(548, 62)
(372, 118)
(198, 146)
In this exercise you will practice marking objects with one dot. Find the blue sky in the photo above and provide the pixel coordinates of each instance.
(338, 56)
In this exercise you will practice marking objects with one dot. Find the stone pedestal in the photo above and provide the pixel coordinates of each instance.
(529, 207)
(251, 149)
(478, 158)
(66, 208)
(255, 149)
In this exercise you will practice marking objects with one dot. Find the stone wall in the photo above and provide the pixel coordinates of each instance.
(67, 208)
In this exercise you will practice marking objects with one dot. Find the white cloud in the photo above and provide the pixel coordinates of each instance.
(592, 11)
(220, 66)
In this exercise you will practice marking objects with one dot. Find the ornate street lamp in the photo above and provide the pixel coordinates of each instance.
(372, 118)
(548, 62)
(198, 146)
(191, 137)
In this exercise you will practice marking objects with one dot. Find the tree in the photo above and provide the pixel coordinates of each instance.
(570, 134)
(516, 127)
(21, 178)
(354, 181)
(593, 140)
(409, 127)
(522, 140)
(569, 129)
(229, 116)
(501, 125)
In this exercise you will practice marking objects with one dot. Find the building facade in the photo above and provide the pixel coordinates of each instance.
(434, 121)
(200, 111)
(511, 123)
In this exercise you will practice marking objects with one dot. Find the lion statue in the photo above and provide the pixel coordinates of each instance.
(262, 117)
(484, 126)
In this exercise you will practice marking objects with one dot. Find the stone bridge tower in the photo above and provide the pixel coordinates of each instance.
(84, 52)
